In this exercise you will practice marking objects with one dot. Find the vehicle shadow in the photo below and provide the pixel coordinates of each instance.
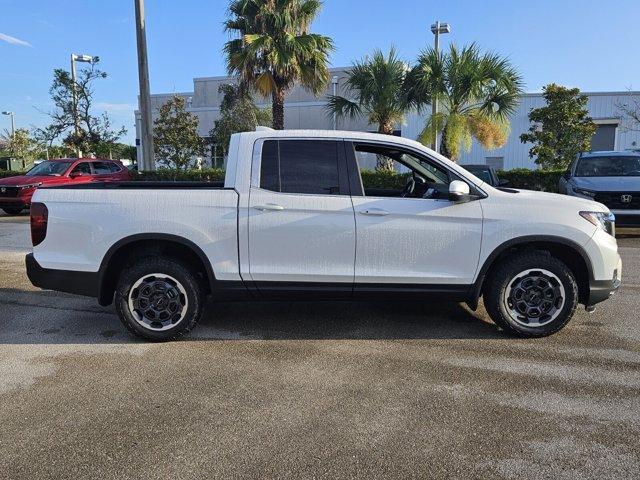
(44, 317)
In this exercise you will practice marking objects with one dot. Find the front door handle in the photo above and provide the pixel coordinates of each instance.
(374, 211)
(269, 206)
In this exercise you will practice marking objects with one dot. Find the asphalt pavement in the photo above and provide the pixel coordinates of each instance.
(314, 390)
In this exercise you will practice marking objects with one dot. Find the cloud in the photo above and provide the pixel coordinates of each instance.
(14, 40)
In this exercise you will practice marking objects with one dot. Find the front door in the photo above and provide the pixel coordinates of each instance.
(301, 222)
(410, 233)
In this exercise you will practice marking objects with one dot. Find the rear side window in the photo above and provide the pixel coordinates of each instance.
(102, 168)
(300, 166)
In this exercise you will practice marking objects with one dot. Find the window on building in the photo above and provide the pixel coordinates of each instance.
(300, 166)
(605, 137)
(495, 162)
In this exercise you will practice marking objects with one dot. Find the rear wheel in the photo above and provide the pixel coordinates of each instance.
(12, 210)
(531, 295)
(159, 299)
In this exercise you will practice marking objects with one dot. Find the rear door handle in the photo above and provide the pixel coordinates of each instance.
(269, 206)
(374, 211)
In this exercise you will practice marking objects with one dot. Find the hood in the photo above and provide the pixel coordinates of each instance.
(608, 184)
(543, 199)
(27, 180)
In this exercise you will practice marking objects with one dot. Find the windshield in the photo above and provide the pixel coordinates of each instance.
(49, 168)
(626, 166)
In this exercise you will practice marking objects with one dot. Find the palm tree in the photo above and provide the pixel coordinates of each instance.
(378, 87)
(275, 49)
(477, 92)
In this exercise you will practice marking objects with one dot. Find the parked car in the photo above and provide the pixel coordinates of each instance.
(486, 174)
(16, 192)
(611, 178)
(293, 221)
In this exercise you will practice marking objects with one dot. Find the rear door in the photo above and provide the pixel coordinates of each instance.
(301, 221)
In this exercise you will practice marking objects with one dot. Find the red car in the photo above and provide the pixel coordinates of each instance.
(16, 192)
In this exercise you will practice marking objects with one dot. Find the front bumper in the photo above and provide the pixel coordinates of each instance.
(627, 218)
(68, 281)
(601, 290)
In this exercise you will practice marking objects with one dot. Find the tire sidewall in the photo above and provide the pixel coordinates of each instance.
(176, 270)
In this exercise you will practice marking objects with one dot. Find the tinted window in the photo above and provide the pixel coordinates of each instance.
(114, 167)
(270, 166)
(102, 168)
(83, 167)
(300, 166)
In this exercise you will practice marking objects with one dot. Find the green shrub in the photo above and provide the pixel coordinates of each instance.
(166, 174)
(541, 180)
(383, 179)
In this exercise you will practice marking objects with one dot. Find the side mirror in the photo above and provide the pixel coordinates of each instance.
(567, 175)
(76, 174)
(459, 191)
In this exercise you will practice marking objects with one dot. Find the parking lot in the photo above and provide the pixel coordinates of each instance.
(314, 389)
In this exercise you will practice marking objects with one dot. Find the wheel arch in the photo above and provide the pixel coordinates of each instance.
(570, 252)
(125, 249)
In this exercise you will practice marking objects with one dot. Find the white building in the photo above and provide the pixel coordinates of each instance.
(304, 111)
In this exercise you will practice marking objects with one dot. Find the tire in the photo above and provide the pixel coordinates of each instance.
(12, 210)
(163, 289)
(531, 294)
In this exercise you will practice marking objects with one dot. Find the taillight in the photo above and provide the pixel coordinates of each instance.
(39, 219)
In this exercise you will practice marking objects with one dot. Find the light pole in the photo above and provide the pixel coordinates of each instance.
(437, 28)
(148, 162)
(77, 58)
(334, 82)
(13, 131)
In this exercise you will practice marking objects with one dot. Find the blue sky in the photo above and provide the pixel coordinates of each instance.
(589, 44)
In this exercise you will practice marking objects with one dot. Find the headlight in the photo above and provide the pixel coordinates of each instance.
(604, 220)
(32, 185)
(584, 193)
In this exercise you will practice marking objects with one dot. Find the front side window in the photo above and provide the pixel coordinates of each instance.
(391, 172)
(300, 166)
(624, 166)
(83, 168)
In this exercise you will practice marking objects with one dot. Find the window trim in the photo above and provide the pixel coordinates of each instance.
(343, 170)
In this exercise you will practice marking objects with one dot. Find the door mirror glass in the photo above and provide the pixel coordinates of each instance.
(459, 191)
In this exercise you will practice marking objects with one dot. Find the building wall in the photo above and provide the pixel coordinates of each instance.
(602, 106)
(305, 111)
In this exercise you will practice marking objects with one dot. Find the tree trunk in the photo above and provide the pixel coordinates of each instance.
(382, 162)
(444, 151)
(277, 108)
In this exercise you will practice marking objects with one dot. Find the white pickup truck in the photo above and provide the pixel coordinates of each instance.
(294, 220)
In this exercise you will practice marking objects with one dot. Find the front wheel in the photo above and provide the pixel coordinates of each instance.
(531, 295)
(159, 299)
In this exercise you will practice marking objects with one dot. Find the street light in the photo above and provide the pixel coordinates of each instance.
(334, 82)
(437, 28)
(13, 130)
(77, 58)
